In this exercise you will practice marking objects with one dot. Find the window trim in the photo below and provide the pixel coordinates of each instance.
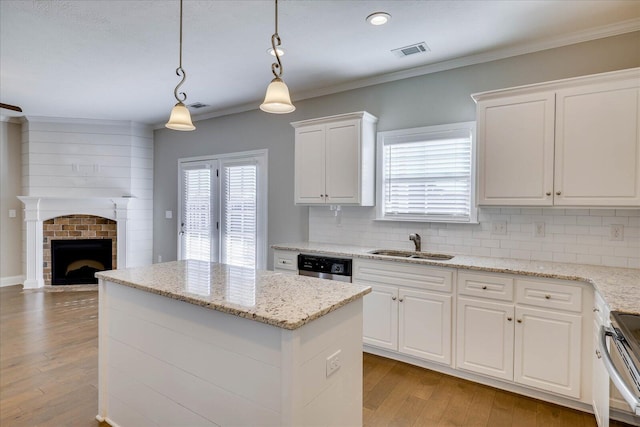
(262, 159)
(412, 132)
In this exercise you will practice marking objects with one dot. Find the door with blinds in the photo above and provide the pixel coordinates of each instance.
(198, 211)
(223, 209)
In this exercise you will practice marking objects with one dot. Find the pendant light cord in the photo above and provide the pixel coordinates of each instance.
(276, 67)
(181, 97)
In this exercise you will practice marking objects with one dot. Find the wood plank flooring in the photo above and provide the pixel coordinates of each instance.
(49, 376)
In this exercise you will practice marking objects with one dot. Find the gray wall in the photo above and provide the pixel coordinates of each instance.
(10, 180)
(420, 101)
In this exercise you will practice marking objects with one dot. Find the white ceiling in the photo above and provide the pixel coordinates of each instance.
(117, 59)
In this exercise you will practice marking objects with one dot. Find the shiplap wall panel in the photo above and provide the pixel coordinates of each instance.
(94, 158)
(243, 375)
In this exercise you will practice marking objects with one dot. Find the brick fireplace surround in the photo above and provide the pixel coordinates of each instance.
(76, 227)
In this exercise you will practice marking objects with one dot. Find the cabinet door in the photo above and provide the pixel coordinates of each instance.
(548, 350)
(485, 338)
(425, 325)
(597, 156)
(309, 165)
(380, 317)
(599, 382)
(515, 150)
(343, 162)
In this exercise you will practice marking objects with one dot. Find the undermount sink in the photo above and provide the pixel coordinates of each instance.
(411, 254)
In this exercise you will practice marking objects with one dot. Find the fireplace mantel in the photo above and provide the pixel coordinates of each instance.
(38, 209)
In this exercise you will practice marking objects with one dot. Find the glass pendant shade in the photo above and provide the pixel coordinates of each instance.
(277, 99)
(180, 118)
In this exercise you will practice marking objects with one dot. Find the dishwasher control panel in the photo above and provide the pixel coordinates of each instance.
(322, 264)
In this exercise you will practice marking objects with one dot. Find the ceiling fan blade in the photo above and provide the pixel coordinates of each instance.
(11, 107)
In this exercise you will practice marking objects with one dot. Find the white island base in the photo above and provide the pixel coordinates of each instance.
(165, 362)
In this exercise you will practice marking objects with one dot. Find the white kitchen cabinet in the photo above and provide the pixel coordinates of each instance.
(547, 350)
(403, 313)
(380, 317)
(600, 377)
(285, 262)
(485, 337)
(335, 160)
(536, 341)
(515, 150)
(571, 142)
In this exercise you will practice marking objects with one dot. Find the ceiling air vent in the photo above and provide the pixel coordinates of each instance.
(413, 49)
(197, 105)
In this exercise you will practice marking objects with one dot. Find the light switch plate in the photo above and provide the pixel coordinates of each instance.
(168, 214)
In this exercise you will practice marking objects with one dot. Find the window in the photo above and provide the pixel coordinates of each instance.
(426, 174)
(223, 209)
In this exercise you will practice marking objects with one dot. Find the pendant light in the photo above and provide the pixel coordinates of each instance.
(277, 99)
(180, 118)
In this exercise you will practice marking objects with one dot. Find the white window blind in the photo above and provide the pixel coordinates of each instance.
(240, 216)
(427, 174)
(197, 192)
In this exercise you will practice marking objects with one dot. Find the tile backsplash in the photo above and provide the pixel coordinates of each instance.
(582, 236)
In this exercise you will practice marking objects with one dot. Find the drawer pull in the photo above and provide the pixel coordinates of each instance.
(519, 320)
(596, 309)
(547, 296)
(598, 354)
(401, 299)
(509, 319)
(484, 287)
(393, 298)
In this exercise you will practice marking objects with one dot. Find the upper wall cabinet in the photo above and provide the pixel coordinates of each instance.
(573, 142)
(335, 160)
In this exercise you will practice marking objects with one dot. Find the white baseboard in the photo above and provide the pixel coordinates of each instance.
(10, 281)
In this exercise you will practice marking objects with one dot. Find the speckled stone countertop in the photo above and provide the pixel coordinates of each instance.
(285, 301)
(620, 287)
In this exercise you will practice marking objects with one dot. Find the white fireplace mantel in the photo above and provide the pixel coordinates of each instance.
(38, 209)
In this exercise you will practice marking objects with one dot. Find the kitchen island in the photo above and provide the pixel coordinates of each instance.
(202, 344)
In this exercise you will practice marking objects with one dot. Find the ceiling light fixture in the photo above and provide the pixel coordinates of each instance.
(180, 118)
(277, 99)
(378, 18)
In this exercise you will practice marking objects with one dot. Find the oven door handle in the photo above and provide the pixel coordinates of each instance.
(629, 396)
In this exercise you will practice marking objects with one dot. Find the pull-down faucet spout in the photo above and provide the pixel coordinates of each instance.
(415, 238)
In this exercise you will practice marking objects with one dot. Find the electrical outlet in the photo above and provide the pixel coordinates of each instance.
(616, 232)
(168, 214)
(12, 213)
(538, 229)
(159, 258)
(333, 362)
(499, 227)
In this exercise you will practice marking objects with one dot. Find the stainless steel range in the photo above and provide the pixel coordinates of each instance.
(625, 339)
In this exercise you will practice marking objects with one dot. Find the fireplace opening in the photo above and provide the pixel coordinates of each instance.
(74, 262)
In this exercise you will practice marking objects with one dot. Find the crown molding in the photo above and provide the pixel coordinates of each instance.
(616, 29)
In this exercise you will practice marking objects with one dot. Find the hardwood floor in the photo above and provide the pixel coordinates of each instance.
(49, 361)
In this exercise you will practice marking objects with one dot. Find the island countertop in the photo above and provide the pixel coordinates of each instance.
(285, 301)
(620, 287)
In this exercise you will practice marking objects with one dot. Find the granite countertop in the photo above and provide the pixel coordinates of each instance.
(620, 287)
(285, 301)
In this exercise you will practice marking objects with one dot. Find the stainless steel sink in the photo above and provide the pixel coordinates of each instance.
(411, 254)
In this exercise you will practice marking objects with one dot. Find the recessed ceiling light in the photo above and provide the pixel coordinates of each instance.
(378, 18)
(280, 51)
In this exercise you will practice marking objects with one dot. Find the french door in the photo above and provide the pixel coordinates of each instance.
(223, 209)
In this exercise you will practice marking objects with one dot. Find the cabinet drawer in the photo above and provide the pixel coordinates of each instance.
(499, 287)
(403, 274)
(285, 260)
(549, 295)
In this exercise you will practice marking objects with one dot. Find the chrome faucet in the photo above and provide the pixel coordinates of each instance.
(415, 238)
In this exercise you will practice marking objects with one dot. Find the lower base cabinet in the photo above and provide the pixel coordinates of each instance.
(523, 342)
(403, 313)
